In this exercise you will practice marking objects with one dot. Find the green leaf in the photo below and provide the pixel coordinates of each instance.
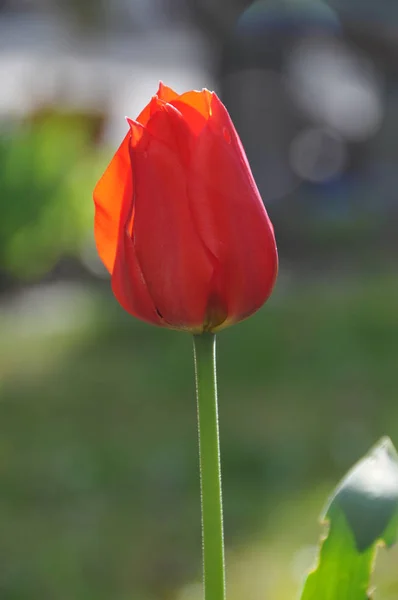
(362, 512)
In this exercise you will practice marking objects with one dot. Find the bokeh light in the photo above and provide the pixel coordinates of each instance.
(336, 87)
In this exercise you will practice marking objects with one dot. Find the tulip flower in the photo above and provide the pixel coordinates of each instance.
(179, 222)
(181, 227)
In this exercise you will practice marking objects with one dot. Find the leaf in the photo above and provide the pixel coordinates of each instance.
(362, 512)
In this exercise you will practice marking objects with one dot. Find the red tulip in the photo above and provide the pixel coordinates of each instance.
(179, 221)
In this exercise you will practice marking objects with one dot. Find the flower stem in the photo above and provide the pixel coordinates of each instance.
(210, 467)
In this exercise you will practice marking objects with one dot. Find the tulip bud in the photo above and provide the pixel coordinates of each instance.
(179, 221)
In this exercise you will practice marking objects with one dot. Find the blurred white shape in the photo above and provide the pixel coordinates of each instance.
(336, 86)
(317, 155)
(13, 70)
(47, 309)
(42, 63)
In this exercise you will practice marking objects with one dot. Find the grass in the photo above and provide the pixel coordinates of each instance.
(98, 450)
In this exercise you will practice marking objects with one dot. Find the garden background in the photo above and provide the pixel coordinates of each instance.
(99, 481)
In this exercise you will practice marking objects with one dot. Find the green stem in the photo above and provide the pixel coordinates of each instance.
(210, 467)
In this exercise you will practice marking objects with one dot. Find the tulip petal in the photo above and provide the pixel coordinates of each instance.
(146, 112)
(109, 194)
(199, 100)
(195, 107)
(173, 132)
(231, 217)
(128, 282)
(166, 93)
(175, 264)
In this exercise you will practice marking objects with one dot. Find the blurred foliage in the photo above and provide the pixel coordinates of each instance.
(98, 442)
(47, 167)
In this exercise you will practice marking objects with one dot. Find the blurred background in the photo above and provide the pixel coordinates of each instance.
(99, 488)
